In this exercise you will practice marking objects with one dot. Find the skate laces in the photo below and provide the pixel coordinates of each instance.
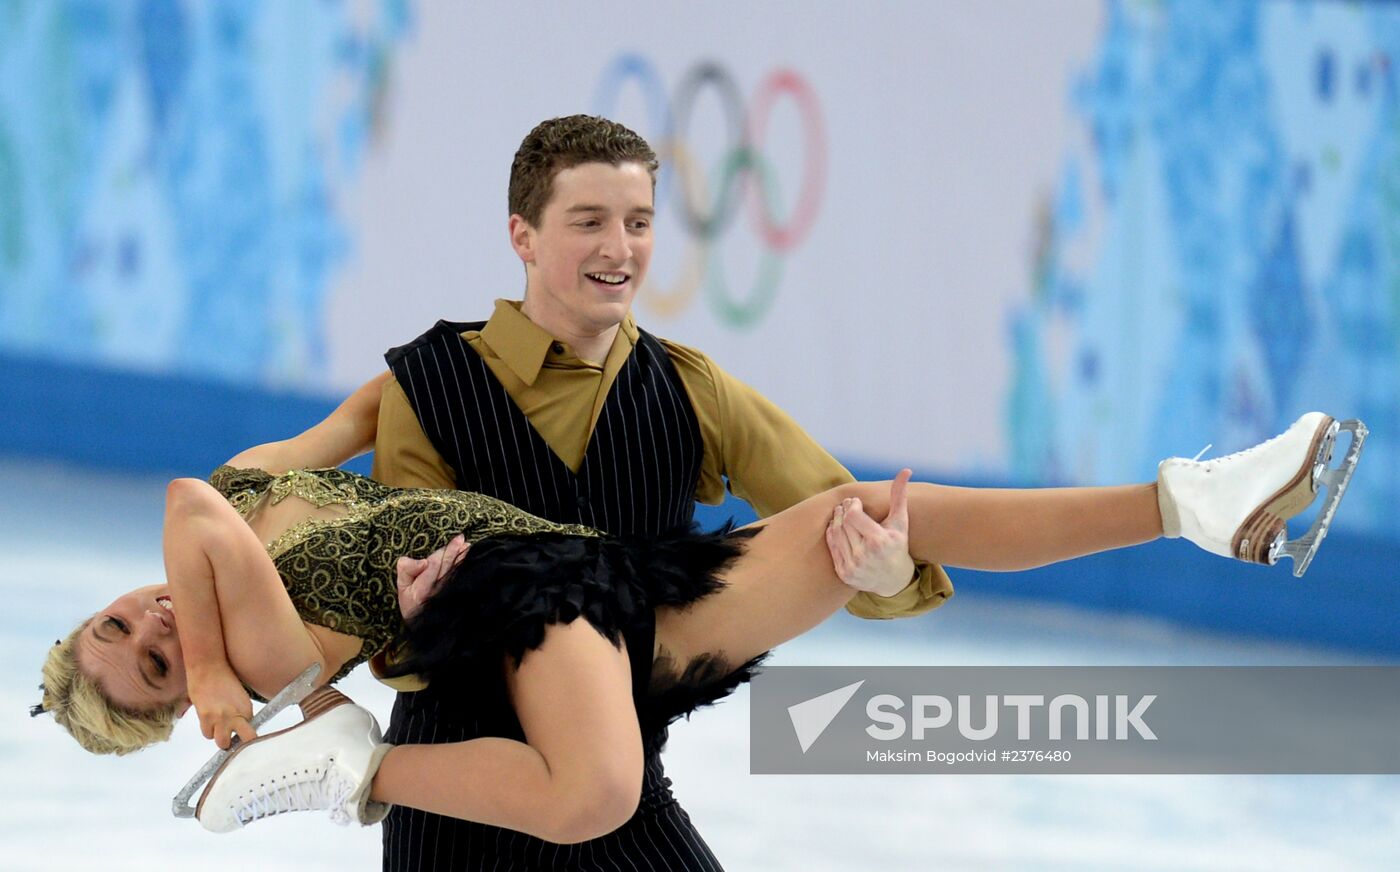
(1242, 453)
(306, 790)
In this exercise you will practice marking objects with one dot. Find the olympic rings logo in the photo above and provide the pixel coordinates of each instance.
(706, 217)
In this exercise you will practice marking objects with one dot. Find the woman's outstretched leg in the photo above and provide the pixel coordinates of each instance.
(786, 583)
(1004, 530)
(1234, 506)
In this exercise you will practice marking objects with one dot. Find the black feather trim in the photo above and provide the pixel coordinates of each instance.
(499, 601)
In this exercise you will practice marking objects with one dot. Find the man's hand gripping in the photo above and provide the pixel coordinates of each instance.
(418, 579)
(869, 555)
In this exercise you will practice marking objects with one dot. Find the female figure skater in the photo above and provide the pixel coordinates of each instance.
(273, 567)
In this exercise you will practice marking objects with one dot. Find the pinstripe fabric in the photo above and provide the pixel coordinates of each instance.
(638, 476)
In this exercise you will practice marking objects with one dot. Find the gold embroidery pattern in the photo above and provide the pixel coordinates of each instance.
(313, 486)
(241, 487)
(339, 572)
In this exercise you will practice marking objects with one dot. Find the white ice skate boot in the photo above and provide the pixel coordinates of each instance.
(1238, 505)
(326, 762)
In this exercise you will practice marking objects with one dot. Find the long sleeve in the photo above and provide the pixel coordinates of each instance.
(403, 455)
(772, 464)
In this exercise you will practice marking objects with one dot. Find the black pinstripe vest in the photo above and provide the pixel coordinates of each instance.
(638, 476)
(639, 471)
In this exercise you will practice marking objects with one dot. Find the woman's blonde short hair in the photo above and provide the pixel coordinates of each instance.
(79, 706)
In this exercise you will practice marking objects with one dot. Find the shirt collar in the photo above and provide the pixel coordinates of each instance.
(524, 346)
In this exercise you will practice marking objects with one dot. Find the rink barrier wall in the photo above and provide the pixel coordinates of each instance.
(144, 423)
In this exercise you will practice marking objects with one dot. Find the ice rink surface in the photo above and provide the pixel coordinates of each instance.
(75, 539)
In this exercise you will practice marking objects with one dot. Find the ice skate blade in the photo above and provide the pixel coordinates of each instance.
(292, 694)
(1303, 549)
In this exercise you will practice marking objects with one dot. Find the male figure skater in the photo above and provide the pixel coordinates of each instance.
(561, 405)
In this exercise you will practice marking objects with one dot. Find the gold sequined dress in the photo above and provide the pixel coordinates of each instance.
(521, 574)
(338, 568)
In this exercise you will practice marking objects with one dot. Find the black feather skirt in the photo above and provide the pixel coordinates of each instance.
(498, 602)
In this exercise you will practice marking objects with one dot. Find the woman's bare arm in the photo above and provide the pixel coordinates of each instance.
(209, 678)
(345, 433)
(237, 625)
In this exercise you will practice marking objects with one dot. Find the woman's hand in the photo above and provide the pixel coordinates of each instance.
(419, 579)
(223, 706)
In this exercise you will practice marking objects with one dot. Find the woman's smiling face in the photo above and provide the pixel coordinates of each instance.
(131, 649)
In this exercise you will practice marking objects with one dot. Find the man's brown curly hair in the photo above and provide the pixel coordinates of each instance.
(560, 143)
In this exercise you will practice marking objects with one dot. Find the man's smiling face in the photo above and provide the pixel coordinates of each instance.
(591, 250)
